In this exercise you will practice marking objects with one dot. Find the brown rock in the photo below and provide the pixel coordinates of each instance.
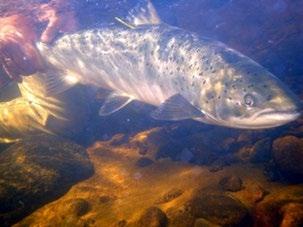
(231, 183)
(153, 217)
(181, 217)
(37, 170)
(283, 207)
(253, 193)
(292, 215)
(78, 207)
(201, 222)
(169, 196)
(219, 209)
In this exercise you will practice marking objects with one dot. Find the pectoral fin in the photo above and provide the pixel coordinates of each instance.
(113, 103)
(176, 108)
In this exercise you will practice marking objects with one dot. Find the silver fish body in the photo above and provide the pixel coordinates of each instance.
(153, 63)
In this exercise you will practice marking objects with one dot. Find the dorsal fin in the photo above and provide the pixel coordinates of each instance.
(125, 23)
(143, 13)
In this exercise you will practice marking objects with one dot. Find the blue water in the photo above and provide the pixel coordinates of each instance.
(269, 32)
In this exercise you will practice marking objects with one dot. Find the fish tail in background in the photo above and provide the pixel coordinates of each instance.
(30, 113)
(54, 81)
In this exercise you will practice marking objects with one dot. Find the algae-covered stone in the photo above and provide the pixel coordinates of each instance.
(37, 170)
(219, 209)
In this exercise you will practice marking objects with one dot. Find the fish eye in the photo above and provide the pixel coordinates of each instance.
(249, 100)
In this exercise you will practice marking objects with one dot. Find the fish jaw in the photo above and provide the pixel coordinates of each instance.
(268, 118)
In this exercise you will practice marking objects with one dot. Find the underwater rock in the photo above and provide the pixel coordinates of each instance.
(257, 153)
(181, 217)
(231, 183)
(244, 154)
(37, 170)
(292, 214)
(153, 217)
(120, 223)
(201, 222)
(78, 207)
(288, 156)
(282, 208)
(252, 193)
(169, 196)
(219, 208)
(105, 199)
(261, 151)
(143, 162)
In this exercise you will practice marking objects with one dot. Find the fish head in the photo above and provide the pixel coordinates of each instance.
(253, 98)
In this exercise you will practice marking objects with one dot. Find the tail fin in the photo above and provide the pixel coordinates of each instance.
(53, 81)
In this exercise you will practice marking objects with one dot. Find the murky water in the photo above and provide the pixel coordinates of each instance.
(61, 164)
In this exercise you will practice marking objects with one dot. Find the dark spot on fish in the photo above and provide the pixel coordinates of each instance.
(178, 68)
(244, 90)
(219, 97)
(201, 74)
(265, 86)
(229, 98)
(233, 86)
(204, 82)
(206, 101)
(171, 73)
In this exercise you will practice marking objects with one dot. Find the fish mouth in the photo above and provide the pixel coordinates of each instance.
(269, 118)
